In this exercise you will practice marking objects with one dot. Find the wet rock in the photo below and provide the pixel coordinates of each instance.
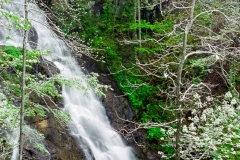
(59, 143)
(150, 156)
(30, 152)
(33, 38)
(45, 67)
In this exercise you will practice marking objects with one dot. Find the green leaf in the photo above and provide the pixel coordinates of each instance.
(8, 38)
(26, 26)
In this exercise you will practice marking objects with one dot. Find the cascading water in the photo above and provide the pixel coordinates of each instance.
(89, 123)
(14, 135)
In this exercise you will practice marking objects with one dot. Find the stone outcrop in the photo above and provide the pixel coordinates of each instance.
(33, 38)
(46, 68)
(58, 142)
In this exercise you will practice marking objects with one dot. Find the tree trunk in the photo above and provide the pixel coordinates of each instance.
(135, 20)
(139, 22)
(21, 142)
(179, 82)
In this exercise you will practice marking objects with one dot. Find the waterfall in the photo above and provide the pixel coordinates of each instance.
(89, 123)
(14, 136)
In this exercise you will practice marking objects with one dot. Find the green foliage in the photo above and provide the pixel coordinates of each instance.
(5, 147)
(41, 148)
(205, 19)
(14, 19)
(15, 52)
(153, 112)
(49, 88)
(33, 109)
(234, 73)
(155, 133)
(8, 112)
(198, 67)
(143, 24)
(168, 150)
(140, 94)
(36, 88)
(12, 83)
(232, 153)
(12, 57)
(162, 27)
(63, 116)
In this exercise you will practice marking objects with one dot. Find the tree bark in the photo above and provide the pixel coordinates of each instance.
(139, 22)
(179, 83)
(135, 20)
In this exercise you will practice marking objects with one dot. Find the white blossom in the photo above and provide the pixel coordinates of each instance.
(208, 111)
(209, 99)
(185, 128)
(196, 119)
(238, 108)
(233, 102)
(238, 145)
(194, 111)
(165, 74)
(228, 95)
(199, 104)
(203, 117)
(196, 96)
(192, 127)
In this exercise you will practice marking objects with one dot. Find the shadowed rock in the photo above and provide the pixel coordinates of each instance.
(33, 38)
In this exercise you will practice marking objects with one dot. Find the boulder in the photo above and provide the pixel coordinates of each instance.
(59, 143)
(45, 67)
(33, 38)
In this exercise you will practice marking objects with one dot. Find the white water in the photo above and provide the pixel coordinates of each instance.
(14, 136)
(89, 123)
